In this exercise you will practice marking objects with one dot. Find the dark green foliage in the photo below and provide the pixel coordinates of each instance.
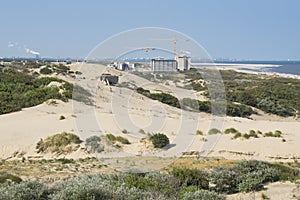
(4, 178)
(231, 130)
(93, 144)
(19, 90)
(225, 180)
(235, 110)
(246, 176)
(180, 183)
(65, 160)
(238, 110)
(156, 183)
(159, 140)
(237, 135)
(46, 70)
(121, 139)
(191, 177)
(278, 95)
(162, 97)
(287, 173)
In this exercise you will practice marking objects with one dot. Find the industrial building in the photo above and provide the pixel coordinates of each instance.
(181, 63)
(161, 65)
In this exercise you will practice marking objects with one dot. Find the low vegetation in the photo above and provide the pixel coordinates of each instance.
(93, 145)
(60, 143)
(253, 134)
(162, 97)
(213, 131)
(159, 140)
(121, 139)
(20, 90)
(176, 183)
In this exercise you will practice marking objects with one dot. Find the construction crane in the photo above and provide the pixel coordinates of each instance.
(175, 40)
(146, 49)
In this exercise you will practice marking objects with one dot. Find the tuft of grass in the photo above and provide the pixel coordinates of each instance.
(198, 132)
(124, 131)
(141, 131)
(231, 130)
(213, 131)
(59, 143)
(121, 139)
(62, 117)
(237, 135)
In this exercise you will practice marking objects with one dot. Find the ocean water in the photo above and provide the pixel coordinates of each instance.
(285, 67)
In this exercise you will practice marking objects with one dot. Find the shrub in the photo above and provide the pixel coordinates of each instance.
(58, 143)
(24, 191)
(62, 117)
(93, 144)
(230, 130)
(124, 131)
(159, 140)
(113, 138)
(46, 70)
(269, 134)
(198, 132)
(142, 131)
(252, 133)
(237, 135)
(213, 131)
(191, 177)
(225, 180)
(246, 136)
(202, 194)
(122, 140)
(5, 177)
(277, 133)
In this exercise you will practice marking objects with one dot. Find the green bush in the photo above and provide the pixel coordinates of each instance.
(113, 138)
(191, 177)
(213, 131)
(5, 177)
(122, 140)
(198, 132)
(46, 70)
(19, 90)
(162, 97)
(231, 130)
(269, 134)
(237, 135)
(202, 194)
(159, 140)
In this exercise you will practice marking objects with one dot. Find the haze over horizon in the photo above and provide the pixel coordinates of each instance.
(257, 30)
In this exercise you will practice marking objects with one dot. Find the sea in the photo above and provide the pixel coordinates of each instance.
(284, 67)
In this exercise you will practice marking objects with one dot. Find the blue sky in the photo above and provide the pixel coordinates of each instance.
(256, 29)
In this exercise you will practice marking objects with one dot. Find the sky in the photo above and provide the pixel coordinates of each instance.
(234, 29)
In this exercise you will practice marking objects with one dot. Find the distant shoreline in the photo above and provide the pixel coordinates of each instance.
(248, 68)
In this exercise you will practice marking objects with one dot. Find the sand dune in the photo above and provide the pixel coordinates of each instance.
(118, 108)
